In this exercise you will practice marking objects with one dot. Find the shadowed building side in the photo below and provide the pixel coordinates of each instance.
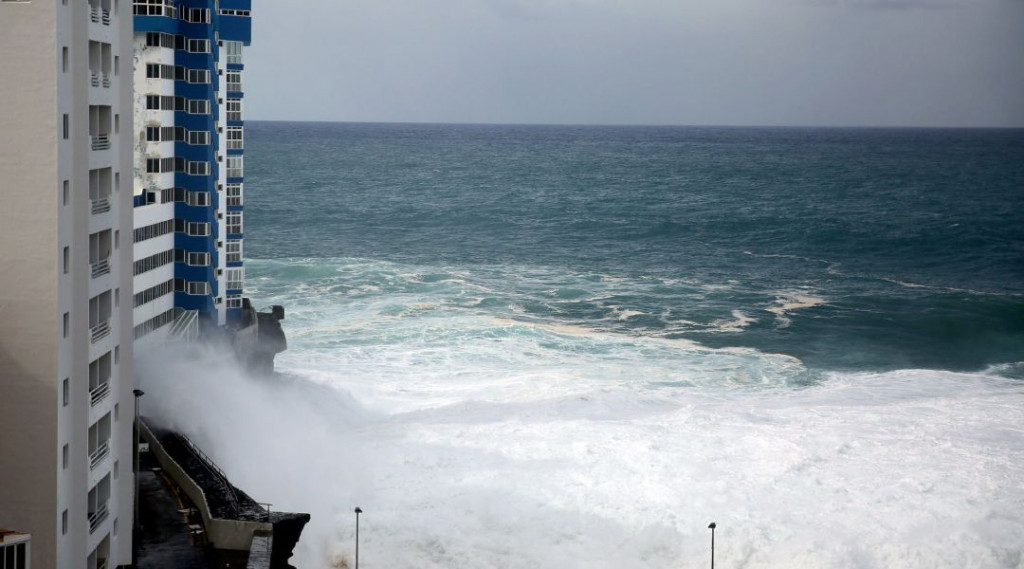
(65, 338)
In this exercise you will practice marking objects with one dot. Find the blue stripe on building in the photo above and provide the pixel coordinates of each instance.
(231, 24)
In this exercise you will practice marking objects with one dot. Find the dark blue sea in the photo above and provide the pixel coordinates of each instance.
(569, 346)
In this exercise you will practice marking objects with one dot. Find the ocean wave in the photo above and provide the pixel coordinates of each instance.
(597, 466)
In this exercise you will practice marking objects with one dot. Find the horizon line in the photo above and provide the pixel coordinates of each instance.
(643, 125)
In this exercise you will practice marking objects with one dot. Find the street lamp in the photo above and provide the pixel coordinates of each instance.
(137, 432)
(712, 528)
(358, 511)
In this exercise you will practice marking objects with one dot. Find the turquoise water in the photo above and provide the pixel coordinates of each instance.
(577, 346)
(908, 243)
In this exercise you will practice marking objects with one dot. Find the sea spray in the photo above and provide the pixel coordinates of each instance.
(910, 469)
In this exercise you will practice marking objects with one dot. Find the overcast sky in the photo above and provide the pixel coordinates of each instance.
(689, 62)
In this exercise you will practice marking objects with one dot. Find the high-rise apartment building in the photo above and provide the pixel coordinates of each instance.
(188, 183)
(66, 402)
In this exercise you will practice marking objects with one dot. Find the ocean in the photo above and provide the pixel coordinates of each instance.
(575, 347)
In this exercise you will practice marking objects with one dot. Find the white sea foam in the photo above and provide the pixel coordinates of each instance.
(574, 467)
(471, 442)
(474, 439)
(739, 321)
(788, 302)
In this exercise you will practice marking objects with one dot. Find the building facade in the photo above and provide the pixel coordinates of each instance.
(188, 183)
(66, 402)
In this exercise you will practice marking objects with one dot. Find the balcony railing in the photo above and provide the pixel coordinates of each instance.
(94, 79)
(185, 326)
(101, 142)
(97, 517)
(100, 331)
(101, 205)
(100, 268)
(99, 454)
(99, 393)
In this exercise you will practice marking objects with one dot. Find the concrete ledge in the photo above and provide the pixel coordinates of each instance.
(260, 551)
(235, 535)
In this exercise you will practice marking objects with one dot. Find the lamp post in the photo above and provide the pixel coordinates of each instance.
(137, 432)
(358, 511)
(712, 528)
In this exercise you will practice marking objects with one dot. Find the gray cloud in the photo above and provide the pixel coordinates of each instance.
(869, 62)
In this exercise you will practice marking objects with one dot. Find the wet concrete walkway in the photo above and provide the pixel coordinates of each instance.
(166, 541)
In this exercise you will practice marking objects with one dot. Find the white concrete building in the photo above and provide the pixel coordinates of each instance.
(66, 403)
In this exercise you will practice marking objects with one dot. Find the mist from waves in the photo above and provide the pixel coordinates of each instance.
(476, 433)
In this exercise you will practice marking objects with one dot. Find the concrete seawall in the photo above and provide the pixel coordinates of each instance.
(232, 520)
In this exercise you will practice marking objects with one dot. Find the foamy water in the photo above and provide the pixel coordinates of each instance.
(474, 435)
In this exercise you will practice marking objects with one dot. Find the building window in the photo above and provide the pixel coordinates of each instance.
(67, 260)
(199, 168)
(198, 259)
(67, 191)
(234, 192)
(201, 76)
(234, 301)
(153, 293)
(155, 230)
(65, 456)
(199, 46)
(198, 288)
(198, 199)
(234, 52)
(155, 8)
(157, 39)
(146, 327)
(195, 229)
(235, 169)
(234, 278)
(65, 60)
(67, 126)
(198, 107)
(234, 81)
(234, 137)
(196, 15)
(234, 110)
(153, 262)
(64, 522)
(67, 324)
(199, 137)
(234, 251)
(66, 390)
(234, 219)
